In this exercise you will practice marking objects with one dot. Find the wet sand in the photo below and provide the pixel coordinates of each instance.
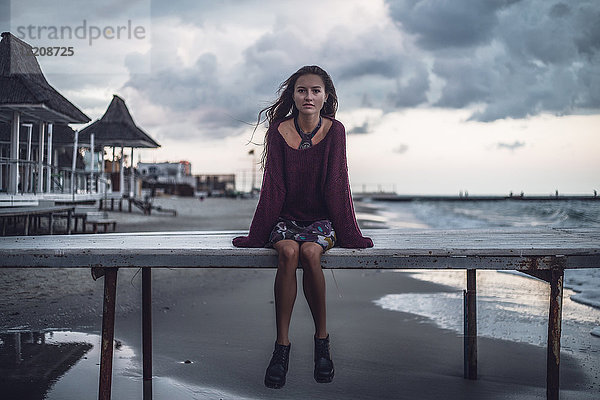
(222, 321)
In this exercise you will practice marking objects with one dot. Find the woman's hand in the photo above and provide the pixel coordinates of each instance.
(365, 242)
(361, 242)
(245, 241)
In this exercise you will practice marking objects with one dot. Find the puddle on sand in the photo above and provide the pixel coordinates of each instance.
(53, 364)
(64, 365)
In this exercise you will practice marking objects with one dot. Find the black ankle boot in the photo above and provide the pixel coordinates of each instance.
(278, 367)
(323, 364)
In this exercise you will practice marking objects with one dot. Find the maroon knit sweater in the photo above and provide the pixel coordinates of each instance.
(306, 185)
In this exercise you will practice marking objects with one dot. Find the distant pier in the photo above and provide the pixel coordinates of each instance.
(519, 197)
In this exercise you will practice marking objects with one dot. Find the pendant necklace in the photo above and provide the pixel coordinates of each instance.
(306, 137)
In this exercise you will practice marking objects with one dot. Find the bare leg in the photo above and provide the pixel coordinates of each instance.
(285, 287)
(313, 283)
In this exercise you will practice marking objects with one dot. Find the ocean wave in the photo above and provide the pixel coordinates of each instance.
(496, 214)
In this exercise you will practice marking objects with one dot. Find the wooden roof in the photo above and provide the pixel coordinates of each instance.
(116, 128)
(24, 88)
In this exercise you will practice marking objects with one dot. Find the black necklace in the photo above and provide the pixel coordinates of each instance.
(306, 137)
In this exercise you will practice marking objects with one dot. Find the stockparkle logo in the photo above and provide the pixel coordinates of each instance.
(91, 33)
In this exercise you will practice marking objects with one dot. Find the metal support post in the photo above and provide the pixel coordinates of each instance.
(470, 333)
(554, 331)
(147, 331)
(108, 332)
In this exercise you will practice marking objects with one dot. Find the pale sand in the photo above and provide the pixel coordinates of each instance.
(223, 321)
(192, 215)
(210, 214)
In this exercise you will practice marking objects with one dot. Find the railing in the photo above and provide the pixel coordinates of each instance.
(62, 180)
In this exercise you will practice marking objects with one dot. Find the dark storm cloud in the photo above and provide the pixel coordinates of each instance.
(511, 146)
(198, 93)
(413, 92)
(401, 149)
(201, 12)
(375, 62)
(4, 16)
(509, 58)
(559, 10)
(460, 93)
(212, 96)
(371, 66)
(377, 51)
(360, 129)
(184, 89)
(503, 58)
(271, 59)
(442, 23)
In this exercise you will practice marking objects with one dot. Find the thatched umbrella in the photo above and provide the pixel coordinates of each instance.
(26, 97)
(117, 129)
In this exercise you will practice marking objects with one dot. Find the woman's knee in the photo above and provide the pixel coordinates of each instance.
(310, 253)
(288, 254)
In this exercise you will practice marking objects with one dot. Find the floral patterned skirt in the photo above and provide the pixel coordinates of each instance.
(320, 232)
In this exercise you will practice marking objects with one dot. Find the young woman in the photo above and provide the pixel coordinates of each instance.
(305, 206)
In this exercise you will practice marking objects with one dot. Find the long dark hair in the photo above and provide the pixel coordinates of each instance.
(284, 106)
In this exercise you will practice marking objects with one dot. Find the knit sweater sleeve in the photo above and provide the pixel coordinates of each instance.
(338, 196)
(272, 195)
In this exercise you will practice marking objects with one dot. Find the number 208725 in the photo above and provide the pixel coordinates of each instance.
(53, 51)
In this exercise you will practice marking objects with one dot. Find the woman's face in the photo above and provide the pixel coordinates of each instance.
(309, 94)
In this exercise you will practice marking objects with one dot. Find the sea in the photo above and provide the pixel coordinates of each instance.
(510, 305)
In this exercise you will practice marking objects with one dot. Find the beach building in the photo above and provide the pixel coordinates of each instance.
(168, 177)
(216, 185)
(176, 178)
(33, 115)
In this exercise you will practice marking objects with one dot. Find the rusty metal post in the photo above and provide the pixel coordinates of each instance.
(471, 325)
(465, 341)
(108, 333)
(147, 331)
(18, 356)
(554, 330)
(69, 218)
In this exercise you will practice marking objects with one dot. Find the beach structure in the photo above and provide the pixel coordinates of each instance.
(216, 185)
(544, 253)
(32, 113)
(168, 177)
(116, 129)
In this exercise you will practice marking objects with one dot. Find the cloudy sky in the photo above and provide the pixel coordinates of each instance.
(437, 96)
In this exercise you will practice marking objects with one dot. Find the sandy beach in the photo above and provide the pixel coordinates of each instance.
(222, 323)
